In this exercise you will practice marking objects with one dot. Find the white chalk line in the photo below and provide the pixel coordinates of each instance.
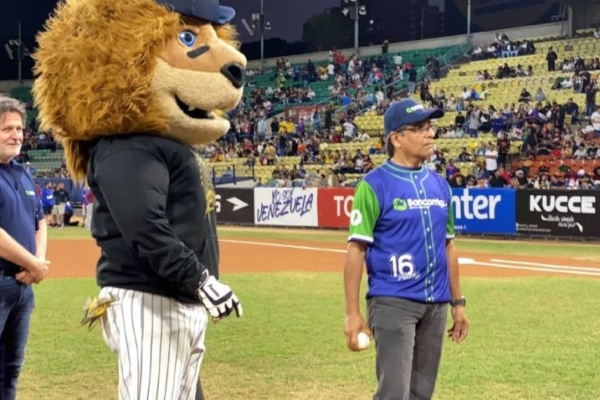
(518, 265)
(287, 246)
(551, 269)
(547, 265)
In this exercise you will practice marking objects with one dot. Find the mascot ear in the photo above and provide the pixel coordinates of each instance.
(77, 153)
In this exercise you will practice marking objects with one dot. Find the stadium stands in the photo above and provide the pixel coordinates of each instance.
(492, 91)
(487, 101)
(315, 75)
(498, 92)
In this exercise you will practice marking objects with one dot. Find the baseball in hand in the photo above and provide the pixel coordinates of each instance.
(363, 340)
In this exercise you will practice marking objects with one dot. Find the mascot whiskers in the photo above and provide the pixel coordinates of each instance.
(130, 88)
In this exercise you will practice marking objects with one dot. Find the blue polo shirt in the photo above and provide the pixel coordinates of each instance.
(20, 209)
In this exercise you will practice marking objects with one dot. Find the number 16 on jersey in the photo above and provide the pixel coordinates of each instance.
(402, 266)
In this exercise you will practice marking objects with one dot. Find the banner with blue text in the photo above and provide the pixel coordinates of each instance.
(484, 211)
(286, 207)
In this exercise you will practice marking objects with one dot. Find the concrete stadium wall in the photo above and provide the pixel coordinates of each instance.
(583, 13)
(555, 28)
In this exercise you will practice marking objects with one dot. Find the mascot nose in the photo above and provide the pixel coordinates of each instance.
(235, 73)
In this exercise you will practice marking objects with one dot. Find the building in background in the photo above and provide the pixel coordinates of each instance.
(498, 14)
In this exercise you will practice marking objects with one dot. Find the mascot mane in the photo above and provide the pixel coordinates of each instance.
(93, 82)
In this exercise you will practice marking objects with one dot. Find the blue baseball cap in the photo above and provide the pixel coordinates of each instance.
(209, 10)
(407, 112)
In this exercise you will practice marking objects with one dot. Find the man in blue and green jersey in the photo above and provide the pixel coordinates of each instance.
(402, 228)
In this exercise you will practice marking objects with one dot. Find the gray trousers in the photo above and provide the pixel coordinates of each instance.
(408, 341)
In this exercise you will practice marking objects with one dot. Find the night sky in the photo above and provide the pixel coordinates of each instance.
(286, 16)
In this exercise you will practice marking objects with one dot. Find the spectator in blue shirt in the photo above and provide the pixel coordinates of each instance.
(23, 241)
(48, 202)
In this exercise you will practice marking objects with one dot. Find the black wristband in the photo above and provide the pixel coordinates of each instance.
(458, 302)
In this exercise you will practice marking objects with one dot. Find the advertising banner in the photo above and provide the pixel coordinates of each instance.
(335, 206)
(484, 211)
(558, 212)
(477, 211)
(286, 207)
(301, 112)
(235, 205)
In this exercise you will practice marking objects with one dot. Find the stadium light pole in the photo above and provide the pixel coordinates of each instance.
(355, 12)
(258, 18)
(469, 22)
(19, 54)
(22, 51)
(262, 30)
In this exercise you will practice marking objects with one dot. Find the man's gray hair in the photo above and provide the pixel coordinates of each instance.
(8, 105)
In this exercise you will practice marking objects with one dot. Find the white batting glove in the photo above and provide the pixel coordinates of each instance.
(218, 298)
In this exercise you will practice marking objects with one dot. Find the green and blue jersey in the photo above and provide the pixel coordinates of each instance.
(405, 216)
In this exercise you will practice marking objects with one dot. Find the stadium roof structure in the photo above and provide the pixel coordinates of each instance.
(585, 13)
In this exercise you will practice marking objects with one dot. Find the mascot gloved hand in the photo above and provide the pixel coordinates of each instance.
(218, 298)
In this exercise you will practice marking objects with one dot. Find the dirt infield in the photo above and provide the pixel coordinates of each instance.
(78, 259)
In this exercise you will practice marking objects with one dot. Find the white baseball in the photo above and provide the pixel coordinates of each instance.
(363, 340)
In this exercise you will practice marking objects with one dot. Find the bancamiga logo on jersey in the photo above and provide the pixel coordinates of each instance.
(413, 204)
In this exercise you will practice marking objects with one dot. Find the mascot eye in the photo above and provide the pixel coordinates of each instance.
(188, 38)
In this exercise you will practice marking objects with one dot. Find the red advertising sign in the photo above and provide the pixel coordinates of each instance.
(301, 112)
(334, 207)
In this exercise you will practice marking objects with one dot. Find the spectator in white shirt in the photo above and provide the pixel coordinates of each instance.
(330, 70)
(466, 94)
(397, 59)
(491, 158)
(362, 137)
(349, 131)
(595, 120)
(580, 153)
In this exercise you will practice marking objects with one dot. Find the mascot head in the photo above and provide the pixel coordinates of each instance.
(111, 67)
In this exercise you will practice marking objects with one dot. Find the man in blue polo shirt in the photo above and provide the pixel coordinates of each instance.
(23, 241)
(402, 228)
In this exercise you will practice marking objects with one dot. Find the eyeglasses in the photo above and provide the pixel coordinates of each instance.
(423, 129)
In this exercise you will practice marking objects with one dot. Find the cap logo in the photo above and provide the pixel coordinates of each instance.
(412, 109)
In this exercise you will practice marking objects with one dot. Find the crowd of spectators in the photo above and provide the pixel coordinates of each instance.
(38, 140)
(502, 47)
(561, 154)
(539, 140)
(311, 147)
(355, 84)
(542, 129)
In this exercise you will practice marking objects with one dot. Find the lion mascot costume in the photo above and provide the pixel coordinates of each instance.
(131, 88)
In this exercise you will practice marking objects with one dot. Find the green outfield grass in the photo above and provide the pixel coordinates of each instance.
(531, 338)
